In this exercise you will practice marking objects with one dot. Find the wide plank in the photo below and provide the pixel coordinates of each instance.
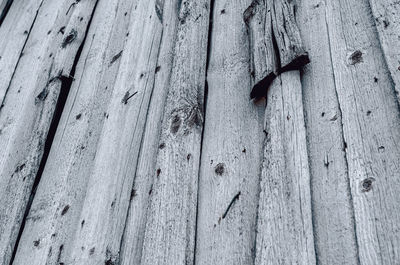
(54, 216)
(284, 224)
(232, 145)
(371, 127)
(333, 214)
(171, 219)
(29, 104)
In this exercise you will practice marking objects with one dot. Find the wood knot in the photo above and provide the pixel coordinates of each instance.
(220, 169)
(356, 57)
(366, 184)
(69, 38)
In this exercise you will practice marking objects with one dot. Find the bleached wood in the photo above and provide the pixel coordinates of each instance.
(387, 21)
(170, 229)
(232, 146)
(132, 245)
(105, 205)
(371, 126)
(284, 230)
(262, 51)
(54, 215)
(333, 217)
(4, 5)
(15, 30)
(29, 106)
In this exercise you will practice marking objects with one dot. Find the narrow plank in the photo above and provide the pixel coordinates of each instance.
(14, 32)
(387, 21)
(285, 232)
(371, 126)
(29, 105)
(171, 222)
(232, 146)
(54, 216)
(333, 216)
(265, 64)
(104, 208)
(132, 245)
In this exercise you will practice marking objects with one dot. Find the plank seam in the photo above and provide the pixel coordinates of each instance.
(5, 11)
(20, 55)
(343, 144)
(209, 39)
(62, 98)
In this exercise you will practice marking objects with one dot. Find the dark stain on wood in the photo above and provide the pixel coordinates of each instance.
(65, 210)
(69, 38)
(366, 184)
(220, 169)
(356, 57)
(116, 57)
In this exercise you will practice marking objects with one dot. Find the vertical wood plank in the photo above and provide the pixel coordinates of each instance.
(284, 230)
(232, 145)
(54, 216)
(333, 216)
(170, 229)
(29, 103)
(106, 202)
(371, 126)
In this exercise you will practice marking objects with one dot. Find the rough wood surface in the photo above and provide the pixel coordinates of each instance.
(371, 127)
(29, 102)
(171, 222)
(54, 215)
(387, 20)
(128, 135)
(333, 216)
(232, 145)
(275, 42)
(285, 232)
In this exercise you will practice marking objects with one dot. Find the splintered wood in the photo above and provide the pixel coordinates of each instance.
(127, 134)
(275, 42)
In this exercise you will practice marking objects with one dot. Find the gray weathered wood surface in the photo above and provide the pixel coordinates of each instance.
(128, 136)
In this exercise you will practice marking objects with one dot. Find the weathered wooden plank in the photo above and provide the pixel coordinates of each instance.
(171, 222)
(232, 146)
(292, 55)
(265, 64)
(54, 216)
(14, 32)
(29, 104)
(275, 42)
(371, 126)
(333, 217)
(104, 208)
(387, 21)
(132, 245)
(284, 230)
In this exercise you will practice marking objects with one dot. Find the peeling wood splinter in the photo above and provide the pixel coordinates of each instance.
(275, 42)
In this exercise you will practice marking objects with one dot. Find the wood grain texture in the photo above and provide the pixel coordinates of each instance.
(170, 229)
(333, 215)
(54, 215)
(387, 20)
(105, 206)
(17, 27)
(184, 43)
(232, 146)
(265, 64)
(29, 103)
(371, 125)
(275, 42)
(284, 230)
